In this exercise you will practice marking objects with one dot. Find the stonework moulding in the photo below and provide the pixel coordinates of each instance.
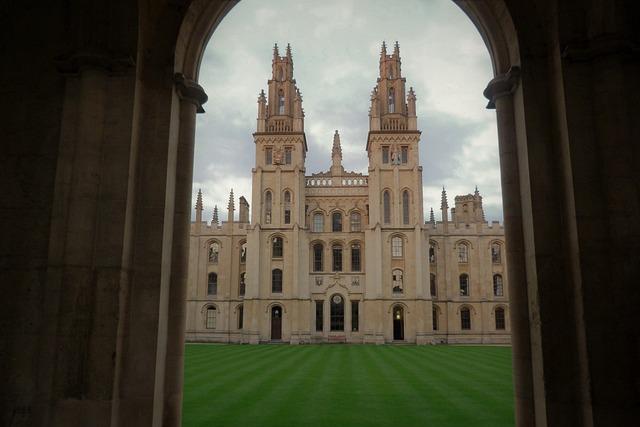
(72, 63)
(502, 85)
(190, 91)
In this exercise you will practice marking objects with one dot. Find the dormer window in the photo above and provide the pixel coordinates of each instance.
(281, 102)
(392, 101)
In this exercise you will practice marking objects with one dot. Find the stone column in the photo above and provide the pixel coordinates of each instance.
(192, 96)
(500, 92)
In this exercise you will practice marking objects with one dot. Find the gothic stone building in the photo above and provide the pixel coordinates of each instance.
(341, 256)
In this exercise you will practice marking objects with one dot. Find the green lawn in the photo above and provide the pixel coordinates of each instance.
(347, 385)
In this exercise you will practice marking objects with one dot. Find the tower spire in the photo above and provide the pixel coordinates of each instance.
(336, 156)
(215, 221)
(230, 207)
(396, 49)
(199, 209)
(383, 50)
(443, 199)
(288, 51)
(276, 54)
(432, 218)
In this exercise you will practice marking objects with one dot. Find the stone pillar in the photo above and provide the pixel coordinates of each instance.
(192, 96)
(500, 93)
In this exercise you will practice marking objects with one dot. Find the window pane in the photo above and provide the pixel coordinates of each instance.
(495, 254)
(214, 252)
(287, 156)
(404, 154)
(268, 156)
(405, 207)
(240, 317)
(386, 200)
(267, 207)
(317, 257)
(212, 284)
(276, 280)
(432, 282)
(318, 223)
(337, 258)
(465, 319)
(385, 155)
(355, 257)
(396, 247)
(500, 321)
(463, 253)
(211, 318)
(464, 285)
(497, 286)
(432, 253)
(356, 222)
(242, 289)
(277, 247)
(435, 319)
(336, 221)
(243, 253)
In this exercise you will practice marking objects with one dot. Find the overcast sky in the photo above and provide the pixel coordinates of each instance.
(336, 48)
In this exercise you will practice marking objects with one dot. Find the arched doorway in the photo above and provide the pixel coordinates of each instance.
(276, 323)
(398, 323)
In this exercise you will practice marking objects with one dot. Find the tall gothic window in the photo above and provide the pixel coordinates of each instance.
(396, 247)
(287, 207)
(267, 207)
(404, 154)
(355, 316)
(496, 256)
(240, 316)
(337, 313)
(463, 252)
(434, 319)
(405, 207)
(392, 101)
(336, 221)
(355, 221)
(276, 247)
(276, 280)
(385, 154)
(212, 284)
(465, 319)
(432, 285)
(214, 252)
(355, 257)
(498, 289)
(500, 320)
(336, 251)
(287, 155)
(211, 318)
(243, 253)
(464, 285)
(268, 156)
(318, 251)
(396, 276)
(319, 315)
(243, 284)
(280, 102)
(432, 253)
(318, 222)
(386, 207)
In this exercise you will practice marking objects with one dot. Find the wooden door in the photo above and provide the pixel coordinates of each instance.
(398, 324)
(276, 323)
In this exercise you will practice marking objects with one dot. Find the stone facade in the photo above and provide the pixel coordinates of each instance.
(340, 256)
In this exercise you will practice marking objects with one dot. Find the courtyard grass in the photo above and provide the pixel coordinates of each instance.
(347, 385)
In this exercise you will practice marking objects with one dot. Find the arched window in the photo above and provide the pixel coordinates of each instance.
(280, 101)
(267, 207)
(386, 207)
(405, 207)
(318, 251)
(355, 257)
(240, 316)
(463, 252)
(432, 253)
(243, 285)
(396, 247)
(434, 320)
(318, 222)
(336, 251)
(214, 252)
(396, 276)
(496, 256)
(432, 284)
(243, 253)
(465, 319)
(276, 247)
(210, 320)
(464, 285)
(336, 221)
(500, 320)
(392, 101)
(337, 313)
(212, 284)
(287, 207)
(498, 290)
(355, 221)
(276, 280)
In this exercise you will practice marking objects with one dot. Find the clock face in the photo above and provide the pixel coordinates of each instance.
(337, 299)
